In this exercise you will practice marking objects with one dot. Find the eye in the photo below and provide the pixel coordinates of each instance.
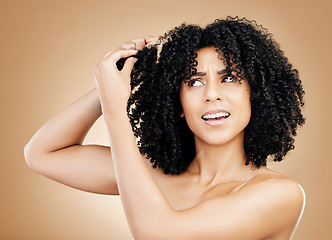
(195, 83)
(229, 78)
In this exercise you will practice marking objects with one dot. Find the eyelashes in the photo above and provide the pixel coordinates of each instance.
(194, 83)
(200, 82)
(229, 78)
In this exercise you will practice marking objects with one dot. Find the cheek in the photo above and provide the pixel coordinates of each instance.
(240, 101)
(244, 99)
(187, 105)
(184, 100)
(246, 107)
(243, 96)
(189, 108)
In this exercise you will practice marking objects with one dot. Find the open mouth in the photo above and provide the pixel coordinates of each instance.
(215, 116)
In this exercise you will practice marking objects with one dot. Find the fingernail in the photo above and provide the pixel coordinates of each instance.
(151, 38)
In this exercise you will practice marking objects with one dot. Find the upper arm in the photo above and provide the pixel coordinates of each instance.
(85, 167)
(255, 212)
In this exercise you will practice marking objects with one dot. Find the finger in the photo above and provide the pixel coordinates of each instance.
(139, 43)
(128, 45)
(149, 39)
(107, 54)
(120, 53)
(129, 64)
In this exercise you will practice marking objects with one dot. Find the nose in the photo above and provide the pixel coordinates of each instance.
(213, 92)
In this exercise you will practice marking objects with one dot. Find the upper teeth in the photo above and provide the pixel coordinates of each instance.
(216, 115)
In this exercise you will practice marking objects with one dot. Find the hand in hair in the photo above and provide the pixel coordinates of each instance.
(113, 84)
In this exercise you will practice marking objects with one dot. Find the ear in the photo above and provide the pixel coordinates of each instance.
(182, 115)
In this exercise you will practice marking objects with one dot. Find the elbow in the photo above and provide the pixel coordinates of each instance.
(33, 153)
(29, 156)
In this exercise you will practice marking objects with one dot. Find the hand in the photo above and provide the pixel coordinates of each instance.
(113, 84)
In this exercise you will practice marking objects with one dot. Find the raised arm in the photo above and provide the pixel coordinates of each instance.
(263, 208)
(56, 150)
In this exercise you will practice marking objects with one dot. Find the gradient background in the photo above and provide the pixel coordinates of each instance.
(48, 50)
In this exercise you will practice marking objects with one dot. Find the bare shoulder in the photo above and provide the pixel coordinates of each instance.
(278, 185)
(273, 182)
(278, 192)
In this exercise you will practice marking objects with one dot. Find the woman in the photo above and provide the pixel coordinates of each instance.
(206, 108)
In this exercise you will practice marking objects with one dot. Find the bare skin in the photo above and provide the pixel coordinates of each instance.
(218, 197)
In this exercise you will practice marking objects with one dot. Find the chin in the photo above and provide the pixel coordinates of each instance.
(220, 138)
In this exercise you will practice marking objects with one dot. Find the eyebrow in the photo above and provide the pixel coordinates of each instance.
(198, 74)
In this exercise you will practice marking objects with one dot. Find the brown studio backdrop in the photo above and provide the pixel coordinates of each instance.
(48, 51)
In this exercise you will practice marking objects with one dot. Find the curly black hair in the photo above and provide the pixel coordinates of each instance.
(154, 106)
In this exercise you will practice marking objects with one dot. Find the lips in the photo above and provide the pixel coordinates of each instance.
(215, 117)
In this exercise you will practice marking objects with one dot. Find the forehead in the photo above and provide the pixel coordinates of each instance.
(209, 57)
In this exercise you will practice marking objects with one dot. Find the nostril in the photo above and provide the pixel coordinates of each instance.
(217, 99)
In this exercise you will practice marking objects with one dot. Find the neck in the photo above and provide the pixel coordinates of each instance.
(225, 162)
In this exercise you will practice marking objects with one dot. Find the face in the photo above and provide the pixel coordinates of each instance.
(215, 103)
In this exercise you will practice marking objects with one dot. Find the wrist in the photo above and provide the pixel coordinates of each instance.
(95, 102)
(118, 115)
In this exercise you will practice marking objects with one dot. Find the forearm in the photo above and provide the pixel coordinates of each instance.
(145, 206)
(69, 127)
